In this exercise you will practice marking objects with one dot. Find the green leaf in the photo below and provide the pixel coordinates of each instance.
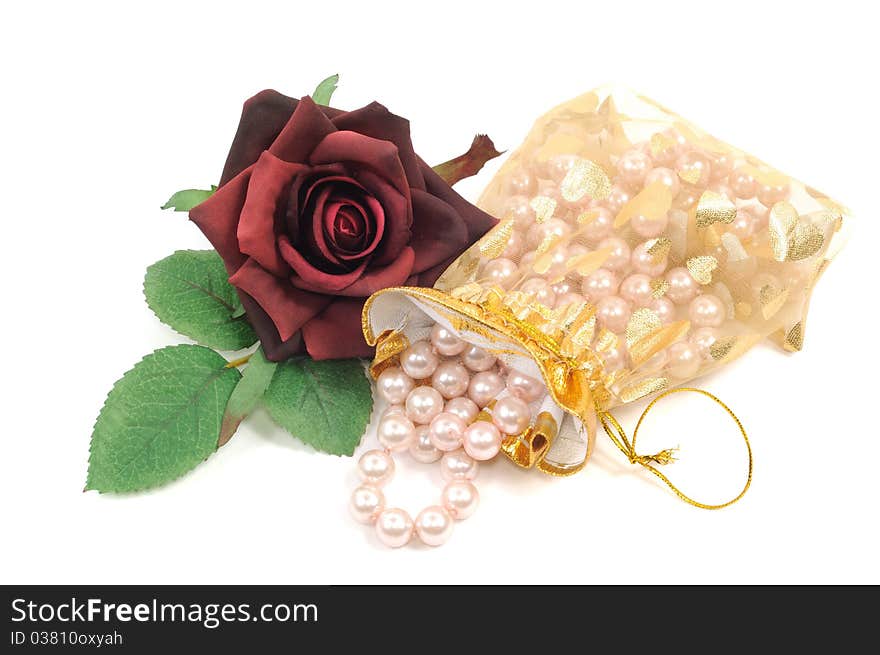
(326, 404)
(254, 382)
(183, 201)
(324, 90)
(190, 292)
(160, 420)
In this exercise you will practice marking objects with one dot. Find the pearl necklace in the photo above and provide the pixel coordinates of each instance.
(466, 403)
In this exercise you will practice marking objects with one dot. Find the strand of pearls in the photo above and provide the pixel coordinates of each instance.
(438, 411)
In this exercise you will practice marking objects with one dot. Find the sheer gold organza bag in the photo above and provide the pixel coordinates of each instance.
(635, 252)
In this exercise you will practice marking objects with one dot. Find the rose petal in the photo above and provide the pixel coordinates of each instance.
(336, 332)
(397, 213)
(331, 188)
(438, 232)
(354, 148)
(288, 307)
(262, 118)
(307, 127)
(345, 225)
(428, 277)
(314, 279)
(374, 224)
(299, 192)
(477, 221)
(274, 348)
(261, 219)
(311, 231)
(218, 216)
(370, 280)
(376, 121)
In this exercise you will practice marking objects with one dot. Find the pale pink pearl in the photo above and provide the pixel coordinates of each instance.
(761, 217)
(703, 339)
(618, 258)
(743, 225)
(637, 289)
(599, 227)
(655, 362)
(482, 440)
(519, 209)
(664, 308)
(743, 184)
(542, 291)
(460, 498)
(600, 284)
(419, 361)
(722, 165)
(684, 360)
(558, 166)
(366, 503)
(500, 271)
(724, 190)
(514, 247)
(649, 227)
(562, 287)
(548, 189)
(527, 260)
(376, 467)
(681, 142)
(422, 448)
(445, 341)
(617, 198)
(396, 432)
(666, 157)
(511, 415)
(484, 387)
(615, 358)
(458, 465)
(695, 168)
(450, 379)
(446, 431)
(687, 197)
(682, 287)
(394, 527)
(632, 167)
(423, 404)
(464, 408)
(613, 313)
(522, 183)
(434, 525)
(770, 194)
(540, 231)
(568, 299)
(558, 263)
(524, 387)
(643, 261)
(394, 385)
(393, 409)
(707, 310)
(667, 177)
(477, 359)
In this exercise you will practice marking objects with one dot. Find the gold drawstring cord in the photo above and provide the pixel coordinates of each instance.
(628, 447)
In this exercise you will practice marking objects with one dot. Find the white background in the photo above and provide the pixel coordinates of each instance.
(107, 109)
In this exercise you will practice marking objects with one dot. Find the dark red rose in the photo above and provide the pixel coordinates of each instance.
(317, 209)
